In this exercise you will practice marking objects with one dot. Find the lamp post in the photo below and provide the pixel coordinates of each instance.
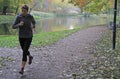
(114, 27)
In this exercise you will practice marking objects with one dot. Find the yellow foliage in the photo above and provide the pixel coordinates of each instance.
(111, 3)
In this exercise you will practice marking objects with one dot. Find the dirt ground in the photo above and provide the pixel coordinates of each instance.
(54, 61)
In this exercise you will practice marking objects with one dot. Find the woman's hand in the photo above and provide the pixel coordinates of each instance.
(21, 23)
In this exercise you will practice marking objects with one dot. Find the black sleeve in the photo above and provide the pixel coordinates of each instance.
(33, 21)
(16, 23)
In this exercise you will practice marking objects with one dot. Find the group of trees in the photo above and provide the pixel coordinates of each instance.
(12, 6)
(94, 6)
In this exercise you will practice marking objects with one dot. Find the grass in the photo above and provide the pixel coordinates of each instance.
(6, 18)
(9, 18)
(39, 15)
(41, 39)
(48, 38)
(118, 18)
(8, 41)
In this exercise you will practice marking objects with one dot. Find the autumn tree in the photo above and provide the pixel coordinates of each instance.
(80, 3)
(20, 3)
(97, 6)
(94, 6)
(5, 6)
(12, 5)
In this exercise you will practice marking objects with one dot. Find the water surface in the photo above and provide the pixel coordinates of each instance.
(55, 24)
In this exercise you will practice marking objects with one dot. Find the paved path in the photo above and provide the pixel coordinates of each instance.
(50, 62)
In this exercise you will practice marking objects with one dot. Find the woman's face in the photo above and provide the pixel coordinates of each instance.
(24, 12)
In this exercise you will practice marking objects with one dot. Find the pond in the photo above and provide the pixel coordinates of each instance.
(55, 24)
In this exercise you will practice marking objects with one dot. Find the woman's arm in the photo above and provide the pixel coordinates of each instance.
(33, 22)
(16, 23)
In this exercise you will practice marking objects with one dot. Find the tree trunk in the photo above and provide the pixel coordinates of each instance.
(4, 11)
(17, 9)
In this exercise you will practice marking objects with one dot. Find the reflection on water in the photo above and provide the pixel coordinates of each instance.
(55, 24)
(63, 23)
(71, 27)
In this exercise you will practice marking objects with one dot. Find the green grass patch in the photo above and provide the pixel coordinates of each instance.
(118, 18)
(38, 15)
(6, 18)
(47, 38)
(11, 18)
(8, 41)
(41, 39)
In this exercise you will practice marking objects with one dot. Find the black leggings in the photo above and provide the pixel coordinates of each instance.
(25, 44)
